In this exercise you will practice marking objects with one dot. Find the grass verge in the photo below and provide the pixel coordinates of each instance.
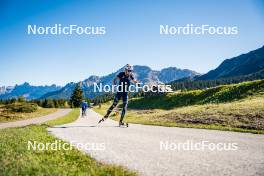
(68, 118)
(14, 116)
(16, 159)
(246, 115)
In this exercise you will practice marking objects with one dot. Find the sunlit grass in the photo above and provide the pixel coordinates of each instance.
(14, 116)
(246, 115)
(16, 159)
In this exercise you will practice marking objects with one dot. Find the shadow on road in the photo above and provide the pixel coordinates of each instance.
(82, 126)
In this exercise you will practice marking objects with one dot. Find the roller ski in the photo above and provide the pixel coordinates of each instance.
(103, 119)
(123, 124)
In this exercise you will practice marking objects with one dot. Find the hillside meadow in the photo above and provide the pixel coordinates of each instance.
(236, 107)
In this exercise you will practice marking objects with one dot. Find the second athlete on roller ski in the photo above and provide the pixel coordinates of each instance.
(125, 78)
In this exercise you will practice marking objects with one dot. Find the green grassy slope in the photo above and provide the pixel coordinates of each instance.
(220, 94)
(237, 107)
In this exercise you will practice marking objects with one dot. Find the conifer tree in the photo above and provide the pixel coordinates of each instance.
(76, 97)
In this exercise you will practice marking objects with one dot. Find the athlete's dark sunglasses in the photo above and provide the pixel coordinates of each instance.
(129, 70)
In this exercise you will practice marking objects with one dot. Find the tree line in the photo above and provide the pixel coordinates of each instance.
(203, 84)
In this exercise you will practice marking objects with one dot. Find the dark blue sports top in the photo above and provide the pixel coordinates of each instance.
(125, 80)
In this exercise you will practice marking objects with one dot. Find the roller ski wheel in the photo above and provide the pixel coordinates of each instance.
(123, 124)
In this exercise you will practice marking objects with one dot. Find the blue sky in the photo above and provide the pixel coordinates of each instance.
(132, 37)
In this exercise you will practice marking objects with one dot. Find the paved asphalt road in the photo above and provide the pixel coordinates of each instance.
(139, 148)
(36, 120)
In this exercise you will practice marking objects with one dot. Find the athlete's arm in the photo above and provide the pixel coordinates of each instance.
(133, 79)
(115, 79)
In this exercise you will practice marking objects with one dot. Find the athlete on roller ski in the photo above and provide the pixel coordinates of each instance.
(125, 78)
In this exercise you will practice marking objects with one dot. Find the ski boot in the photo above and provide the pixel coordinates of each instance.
(123, 124)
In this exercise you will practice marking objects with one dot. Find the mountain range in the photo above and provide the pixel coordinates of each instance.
(245, 64)
(28, 91)
(249, 65)
(142, 73)
(4, 89)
